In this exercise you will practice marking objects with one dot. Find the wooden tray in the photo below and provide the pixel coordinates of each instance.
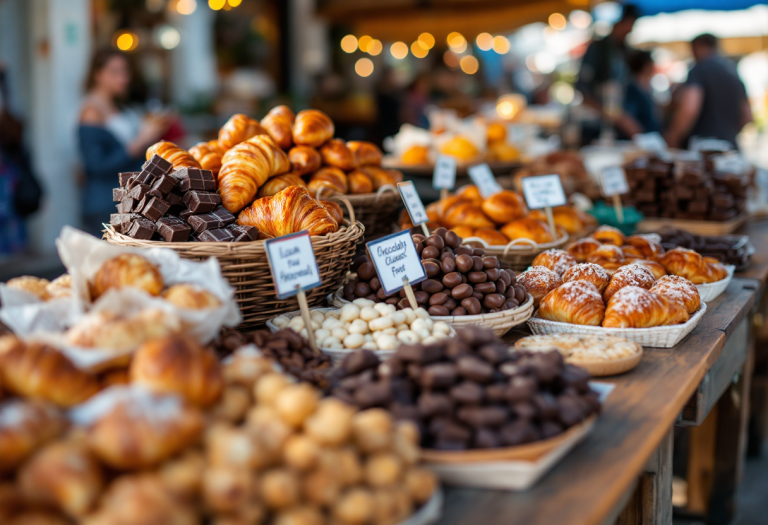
(654, 224)
(426, 170)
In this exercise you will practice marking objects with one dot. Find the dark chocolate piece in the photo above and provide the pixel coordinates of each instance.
(139, 190)
(216, 235)
(157, 166)
(144, 177)
(155, 209)
(173, 229)
(243, 233)
(185, 215)
(121, 221)
(224, 216)
(118, 194)
(164, 184)
(722, 200)
(125, 177)
(195, 179)
(174, 199)
(126, 205)
(141, 228)
(139, 205)
(201, 201)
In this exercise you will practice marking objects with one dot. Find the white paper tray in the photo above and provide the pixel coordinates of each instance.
(709, 291)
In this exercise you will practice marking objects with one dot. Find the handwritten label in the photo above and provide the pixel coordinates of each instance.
(395, 259)
(413, 202)
(292, 263)
(543, 191)
(614, 181)
(652, 141)
(444, 175)
(483, 178)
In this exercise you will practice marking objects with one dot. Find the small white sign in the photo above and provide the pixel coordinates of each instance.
(395, 259)
(543, 191)
(483, 178)
(413, 202)
(293, 264)
(614, 181)
(444, 175)
(709, 144)
(652, 141)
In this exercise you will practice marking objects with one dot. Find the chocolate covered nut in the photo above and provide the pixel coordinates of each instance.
(478, 252)
(375, 284)
(431, 404)
(477, 295)
(520, 293)
(520, 388)
(471, 305)
(366, 271)
(477, 263)
(546, 405)
(438, 299)
(493, 300)
(477, 277)
(438, 311)
(459, 311)
(478, 417)
(452, 280)
(505, 278)
(430, 252)
(464, 263)
(485, 438)
(422, 297)
(493, 274)
(356, 362)
(517, 433)
(453, 446)
(494, 353)
(499, 286)
(461, 291)
(349, 290)
(524, 410)
(474, 368)
(453, 432)
(381, 294)
(450, 303)
(485, 288)
(452, 239)
(511, 304)
(436, 241)
(574, 377)
(419, 353)
(496, 392)
(417, 237)
(432, 286)
(441, 232)
(569, 411)
(448, 264)
(550, 429)
(463, 250)
(439, 375)
(431, 268)
(490, 262)
(468, 392)
(419, 247)
(362, 289)
(376, 394)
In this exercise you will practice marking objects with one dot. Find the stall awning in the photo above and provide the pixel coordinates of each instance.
(654, 7)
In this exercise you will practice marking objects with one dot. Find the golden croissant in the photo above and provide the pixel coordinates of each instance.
(173, 154)
(304, 160)
(680, 289)
(332, 179)
(25, 425)
(381, 177)
(366, 153)
(246, 167)
(691, 265)
(312, 128)
(208, 155)
(575, 302)
(629, 275)
(289, 211)
(279, 183)
(279, 125)
(237, 129)
(635, 307)
(336, 153)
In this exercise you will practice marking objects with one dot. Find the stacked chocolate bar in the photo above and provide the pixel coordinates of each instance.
(688, 190)
(180, 205)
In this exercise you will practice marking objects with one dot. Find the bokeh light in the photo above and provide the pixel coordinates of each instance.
(562, 92)
(580, 19)
(169, 37)
(216, 5)
(469, 64)
(457, 42)
(426, 40)
(364, 42)
(399, 50)
(418, 50)
(349, 44)
(451, 59)
(501, 44)
(375, 47)
(557, 21)
(186, 7)
(484, 41)
(364, 67)
(126, 41)
(234, 3)
(509, 106)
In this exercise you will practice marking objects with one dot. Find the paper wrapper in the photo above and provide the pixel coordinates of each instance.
(25, 313)
(141, 400)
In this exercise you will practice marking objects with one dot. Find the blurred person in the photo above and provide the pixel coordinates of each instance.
(604, 63)
(113, 138)
(416, 100)
(714, 102)
(638, 98)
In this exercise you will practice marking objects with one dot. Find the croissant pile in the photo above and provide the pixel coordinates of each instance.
(501, 218)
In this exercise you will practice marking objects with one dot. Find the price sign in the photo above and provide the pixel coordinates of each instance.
(543, 191)
(293, 264)
(652, 141)
(444, 175)
(614, 182)
(710, 144)
(484, 180)
(413, 202)
(396, 261)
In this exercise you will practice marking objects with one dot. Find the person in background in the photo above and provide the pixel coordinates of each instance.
(605, 63)
(714, 102)
(112, 138)
(638, 98)
(416, 100)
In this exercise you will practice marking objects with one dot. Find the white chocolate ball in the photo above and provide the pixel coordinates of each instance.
(430, 340)
(419, 324)
(321, 334)
(381, 323)
(340, 333)
(421, 312)
(408, 337)
(387, 342)
(441, 327)
(280, 321)
(360, 302)
(370, 345)
(381, 308)
(410, 315)
(349, 312)
(422, 333)
(317, 315)
(399, 317)
(353, 341)
(329, 342)
(358, 326)
(368, 313)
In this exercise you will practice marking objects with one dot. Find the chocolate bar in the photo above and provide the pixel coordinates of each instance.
(244, 233)
(126, 205)
(218, 218)
(698, 206)
(201, 201)
(174, 199)
(722, 214)
(185, 215)
(195, 179)
(722, 200)
(693, 178)
(157, 166)
(155, 209)
(173, 229)
(121, 221)
(215, 235)
(144, 177)
(683, 192)
(141, 204)
(118, 194)
(139, 191)
(224, 216)
(141, 228)
(125, 177)
(164, 184)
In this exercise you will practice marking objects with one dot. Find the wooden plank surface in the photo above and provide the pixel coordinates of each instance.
(758, 236)
(591, 484)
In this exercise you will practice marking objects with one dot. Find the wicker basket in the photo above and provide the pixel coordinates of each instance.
(658, 336)
(376, 211)
(708, 291)
(245, 266)
(518, 254)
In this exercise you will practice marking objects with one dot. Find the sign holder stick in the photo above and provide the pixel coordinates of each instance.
(304, 307)
(551, 221)
(425, 229)
(409, 293)
(618, 208)
(443, 193)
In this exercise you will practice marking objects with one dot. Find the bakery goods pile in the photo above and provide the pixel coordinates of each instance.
(470, 392)
(460, 280)
(578, 349)
(727, 249)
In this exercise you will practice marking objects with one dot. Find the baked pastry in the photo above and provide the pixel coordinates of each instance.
(127, 269)
(556, 260)
(579, 349)
(589, 272)
(191, 296)
(691, 265)
(139, 429)
(173, 154)
(461, 148)
(466, 214)
(656, 269)
(25, 426)
(60, 287)
(570, 219)
(490, 235)
(359, 182)
(575, 302)
(208, 155)
(246, 167)
(609, 235)
(635, 307)
(631, 253)
(289, 211)
(334, 209)
(609, 257)
(504, 207)
(34, 285)
(539, 281)
(332, 179)
(178, 365)
(415, 155)
(304, 160)
(112, 331)
(279, 125)
(583, 248)
(382, 177)
(237, 129)
(471, 193)
(36, 370)
(279, 183)
(527, 228)
(312, 128)
(679, 289)
(629, 275)
(648, 246)
(335, 153)
(366, 153)
(64, 475)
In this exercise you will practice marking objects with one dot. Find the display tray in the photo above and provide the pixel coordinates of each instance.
(518, 254)
(602, 367)
(708, 291)
(658, 336)
(426, 170)
(654, 224)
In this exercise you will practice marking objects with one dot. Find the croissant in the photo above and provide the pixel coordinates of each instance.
(527, 228)
(679, 289)
(609, 235)
(629, 275)
(330, 178)
(366, 153)
(570, 219)
(575, 302)
(111, 331)
(467, 214)
(334, 209)
(648, 247)
(34, 369)
(631, 252)
(246, 167)
(359, 182)
(127, 269)
(26, 425)
(173, 154)
(608, 256)
(689, 264)
(335, 153)
(465, 232)
(34, 285)
(279, 125)
(589, 272)
(491, 236)
(279, 183)
(191, 297)
(583, 248)
(656, 269)
(504, 207)
(382, 177)
(471, 192)
(312, 128)
(556, 260)
(539, 281)
(289, 211)
(208, 155)
(304, 160)
(237, 129)
(635, 307)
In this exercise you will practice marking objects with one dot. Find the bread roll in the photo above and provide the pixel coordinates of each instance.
(128, 269)
(335, 153)
(304, 160)
(526, 228)
(504, 207)
(539, 281)
(312, 128)
(279, 183)
(366, 153)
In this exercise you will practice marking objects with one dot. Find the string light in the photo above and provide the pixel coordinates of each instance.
(234, 3)
(364, 67)
(469, 64)
(457, 42)
(169, 37)
(427, 41)
(216, 5)
(484, 41)
(375, 47)
(364, 42)
(349, 44)
(186, 7)
(501, 44)
(451, 59)
(557, 21)
(418, 50)
(399, 50)
(580, 19)
(126, 41)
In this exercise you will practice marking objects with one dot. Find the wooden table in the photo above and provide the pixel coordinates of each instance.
(594, 483)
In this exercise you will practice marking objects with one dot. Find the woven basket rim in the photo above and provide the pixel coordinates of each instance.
(384, 195)
(514, 248)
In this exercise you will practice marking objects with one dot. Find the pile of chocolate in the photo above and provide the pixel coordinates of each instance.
(180, 205)
(689, 190)
(470, 392)
(461, 280)
(728, 249)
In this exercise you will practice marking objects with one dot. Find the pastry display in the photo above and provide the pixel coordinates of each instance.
(129, 270)
(559, 261)
(590, 272)
(460, 280)
(539, 281)
(635, 307)
(470, 392)
(574, 302)
(728, 249)
(597, 353)
(680, 289)
(691, 265)
(43, 289)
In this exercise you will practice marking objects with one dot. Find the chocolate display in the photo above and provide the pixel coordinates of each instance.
(216, 235)
(173, 229)
(728, 249)
(201, 201)
(155, 208)
(140, 228)
(243, 233)
(195, 179)
(470, 392)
